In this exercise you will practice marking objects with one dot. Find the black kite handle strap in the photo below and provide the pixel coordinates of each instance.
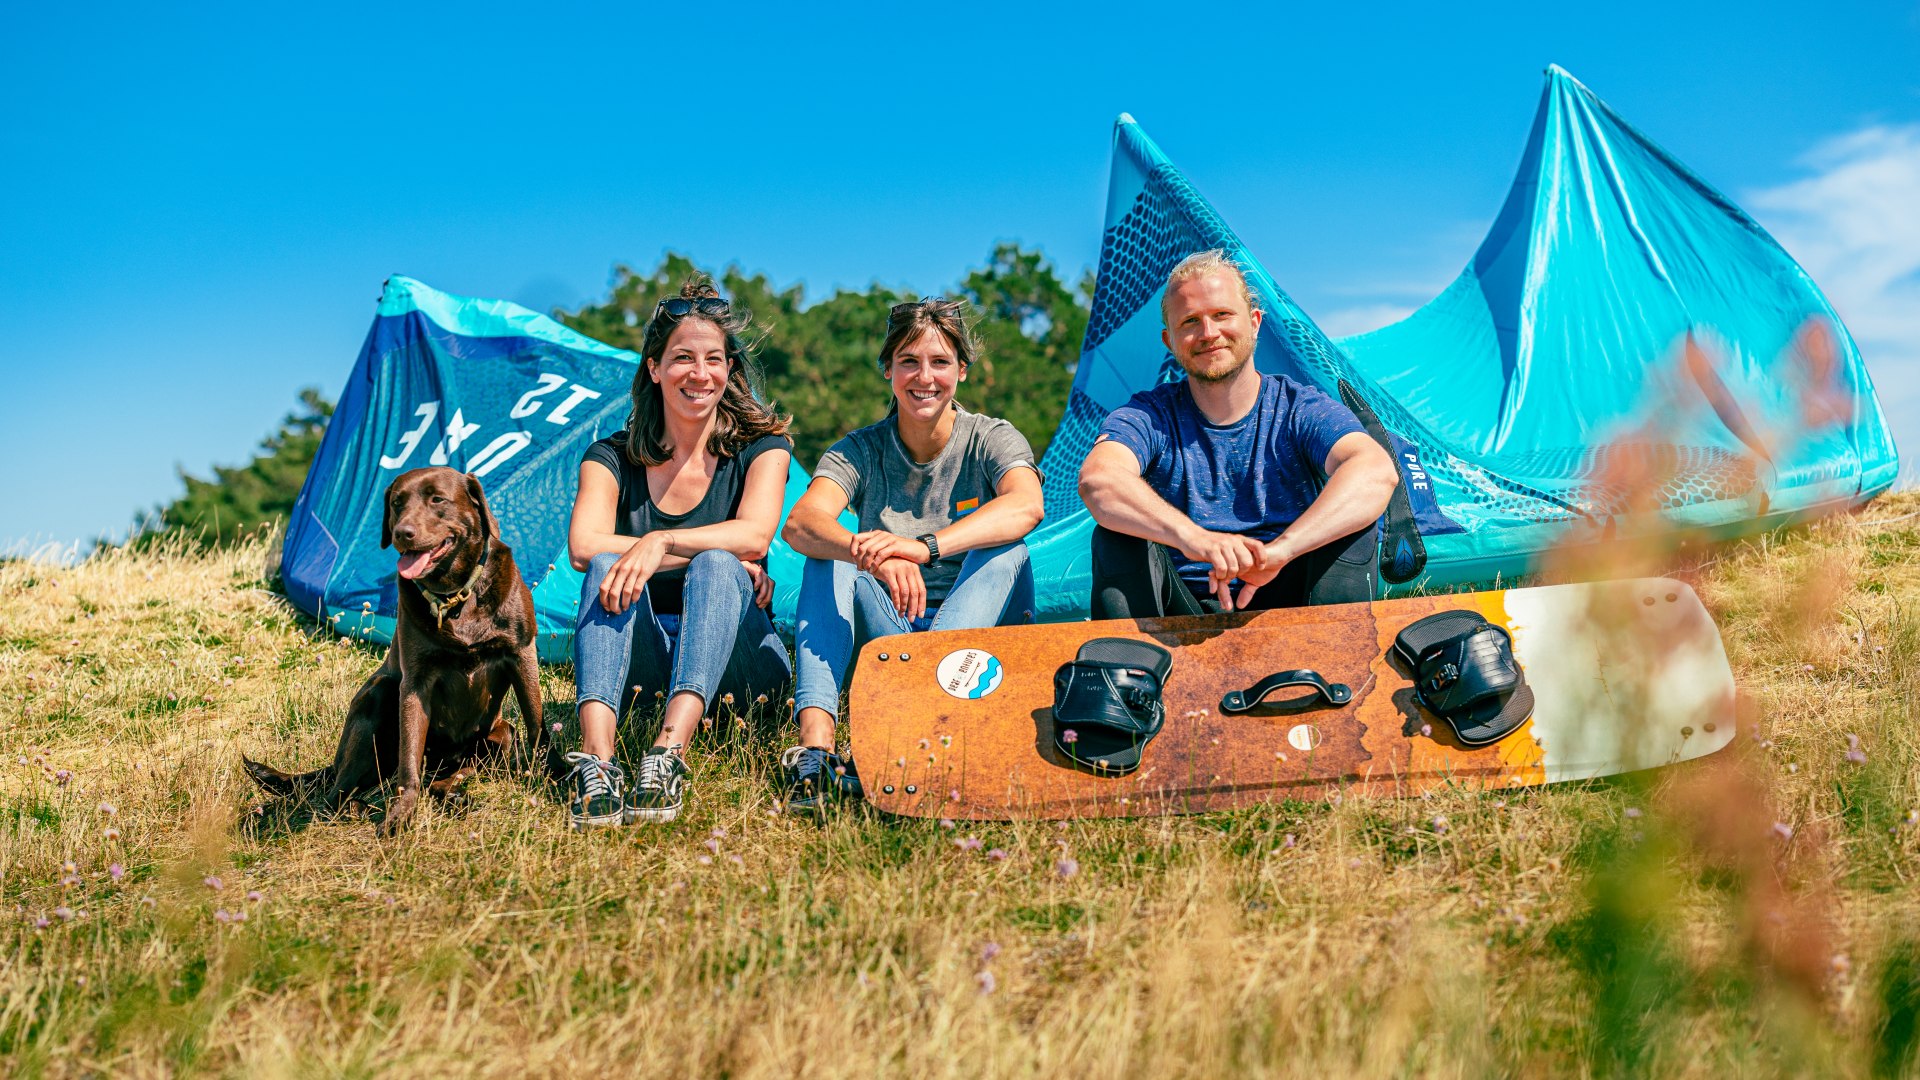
(1240, 701)
(1404, 553)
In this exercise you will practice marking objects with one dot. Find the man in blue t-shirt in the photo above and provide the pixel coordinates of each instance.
(1230, 489)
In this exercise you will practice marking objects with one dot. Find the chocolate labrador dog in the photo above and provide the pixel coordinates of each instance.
(463, 635)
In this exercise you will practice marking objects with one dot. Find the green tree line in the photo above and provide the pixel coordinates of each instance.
(819, 362)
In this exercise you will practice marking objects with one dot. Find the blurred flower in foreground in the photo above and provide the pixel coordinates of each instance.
(1854, 753)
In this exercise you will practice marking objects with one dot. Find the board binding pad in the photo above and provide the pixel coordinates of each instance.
(1627, 675)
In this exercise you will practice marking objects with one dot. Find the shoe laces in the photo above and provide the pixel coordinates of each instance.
(806, 762)
(656, 771)
(597, 777)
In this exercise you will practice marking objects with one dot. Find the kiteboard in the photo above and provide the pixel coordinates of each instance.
(1626, 676)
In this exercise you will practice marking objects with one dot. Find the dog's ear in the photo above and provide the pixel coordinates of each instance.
(488, 527)
(386, 516)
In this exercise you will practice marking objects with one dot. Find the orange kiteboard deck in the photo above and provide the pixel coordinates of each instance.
(1627, 675)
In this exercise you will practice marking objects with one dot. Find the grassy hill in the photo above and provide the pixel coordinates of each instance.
(1755, 914)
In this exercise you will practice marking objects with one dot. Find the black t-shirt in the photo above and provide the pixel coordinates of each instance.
(637, 516)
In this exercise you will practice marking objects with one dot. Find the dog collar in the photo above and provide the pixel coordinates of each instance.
(441, 604)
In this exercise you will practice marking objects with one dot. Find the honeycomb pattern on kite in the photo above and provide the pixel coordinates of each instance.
(1167, 222)
(1315, 353)
(1609, 477)
(1060, 467)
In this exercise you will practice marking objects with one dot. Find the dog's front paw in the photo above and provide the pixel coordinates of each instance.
(400, 812)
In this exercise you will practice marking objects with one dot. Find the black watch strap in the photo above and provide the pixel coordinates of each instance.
(933, 547)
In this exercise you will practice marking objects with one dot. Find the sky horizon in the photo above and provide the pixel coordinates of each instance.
(204, 204)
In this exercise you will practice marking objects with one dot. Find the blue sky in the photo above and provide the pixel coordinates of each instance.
(200, 206)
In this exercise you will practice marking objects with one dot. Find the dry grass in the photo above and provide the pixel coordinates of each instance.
(1660, 925)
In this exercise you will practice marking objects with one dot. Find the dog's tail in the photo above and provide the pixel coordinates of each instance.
(285, 785)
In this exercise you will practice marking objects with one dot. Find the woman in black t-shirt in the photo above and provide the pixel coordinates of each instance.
(673, 518)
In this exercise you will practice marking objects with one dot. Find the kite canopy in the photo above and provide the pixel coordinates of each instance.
(487, 387)
(1551, 382)
(1627, 351)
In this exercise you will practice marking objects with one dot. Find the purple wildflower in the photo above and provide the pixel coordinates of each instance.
(1067, 867)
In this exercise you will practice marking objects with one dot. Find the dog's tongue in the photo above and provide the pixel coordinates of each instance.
(414, 564)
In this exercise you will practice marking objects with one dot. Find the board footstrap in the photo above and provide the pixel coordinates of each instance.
(1107, 703)
(1465, 673)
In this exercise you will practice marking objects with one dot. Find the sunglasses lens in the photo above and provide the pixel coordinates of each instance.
(679, 306)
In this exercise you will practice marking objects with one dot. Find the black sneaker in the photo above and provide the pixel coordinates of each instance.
(816, 778)
(597, 789)
(657, 787)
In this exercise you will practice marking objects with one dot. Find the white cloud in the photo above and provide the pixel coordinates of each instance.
(1361, 318)
(1854, 225)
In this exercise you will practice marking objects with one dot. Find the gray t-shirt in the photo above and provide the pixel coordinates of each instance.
(888, 490)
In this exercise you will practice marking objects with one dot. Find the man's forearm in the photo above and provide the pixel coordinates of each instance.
(1354, 498)
(1127, 504)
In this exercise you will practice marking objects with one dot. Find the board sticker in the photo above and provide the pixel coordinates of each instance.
(1303, 737)
(969, 674)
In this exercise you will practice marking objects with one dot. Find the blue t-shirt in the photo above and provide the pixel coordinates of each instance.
(1253, 477)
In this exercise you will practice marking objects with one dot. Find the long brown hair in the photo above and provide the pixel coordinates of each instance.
(740, 418)
(908, 321)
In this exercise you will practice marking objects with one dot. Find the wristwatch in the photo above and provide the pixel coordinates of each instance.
(933, 547)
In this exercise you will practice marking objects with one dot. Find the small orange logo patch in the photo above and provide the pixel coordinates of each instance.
(966, 506)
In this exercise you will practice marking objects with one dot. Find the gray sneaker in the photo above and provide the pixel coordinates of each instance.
(816, 778)
(598, 787)
(658, 786)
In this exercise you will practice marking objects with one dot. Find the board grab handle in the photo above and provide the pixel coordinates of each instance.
(1239, 701)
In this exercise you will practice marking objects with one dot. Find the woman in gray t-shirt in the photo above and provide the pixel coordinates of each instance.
(944, 498)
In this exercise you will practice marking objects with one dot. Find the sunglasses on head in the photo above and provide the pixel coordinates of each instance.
(679, 307)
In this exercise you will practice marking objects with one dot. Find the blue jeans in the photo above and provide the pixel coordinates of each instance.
(721, 643)
(842, 608)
